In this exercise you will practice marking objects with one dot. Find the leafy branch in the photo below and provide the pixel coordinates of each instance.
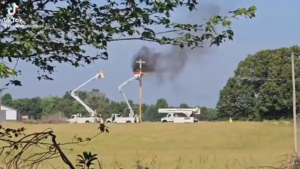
(64, 32)
(43, 143)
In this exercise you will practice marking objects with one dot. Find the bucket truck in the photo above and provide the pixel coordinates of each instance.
(77, 118)
(117, 118)
(179, 115)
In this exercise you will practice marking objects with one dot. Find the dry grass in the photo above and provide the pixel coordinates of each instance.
(203, 145)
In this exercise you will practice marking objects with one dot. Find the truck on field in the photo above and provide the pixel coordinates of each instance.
(78, 118)
(93, 116)
(179, 115)
(117, 118)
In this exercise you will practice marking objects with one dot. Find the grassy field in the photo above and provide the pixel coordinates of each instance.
(202, 145)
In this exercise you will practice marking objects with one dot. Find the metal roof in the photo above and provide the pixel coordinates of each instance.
(9, 107)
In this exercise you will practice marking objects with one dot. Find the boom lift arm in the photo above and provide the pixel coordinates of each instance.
(187, 111)
(136, 76)
(75, 96)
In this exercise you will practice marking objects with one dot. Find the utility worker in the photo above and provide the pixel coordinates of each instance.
(100, 115)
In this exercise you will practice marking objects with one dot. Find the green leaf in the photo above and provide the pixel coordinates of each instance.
(67, 30)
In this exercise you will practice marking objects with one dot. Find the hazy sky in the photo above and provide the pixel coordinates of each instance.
(276, 25)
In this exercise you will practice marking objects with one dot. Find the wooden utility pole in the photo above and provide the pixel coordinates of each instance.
(140, 62)
(294, 104)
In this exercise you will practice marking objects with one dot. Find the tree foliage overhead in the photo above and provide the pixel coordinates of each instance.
(66, 30)
(261, 87)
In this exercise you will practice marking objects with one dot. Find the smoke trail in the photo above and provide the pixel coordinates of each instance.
(168, 64)
(164, 65)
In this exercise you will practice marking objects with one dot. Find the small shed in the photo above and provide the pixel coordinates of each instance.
(9, 114)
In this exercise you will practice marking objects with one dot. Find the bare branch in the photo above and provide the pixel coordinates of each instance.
(18, 149)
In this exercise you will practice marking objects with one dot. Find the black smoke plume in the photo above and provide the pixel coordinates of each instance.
(167, 65)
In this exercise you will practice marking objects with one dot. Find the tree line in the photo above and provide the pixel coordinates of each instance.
(37, 107)
(261, 87)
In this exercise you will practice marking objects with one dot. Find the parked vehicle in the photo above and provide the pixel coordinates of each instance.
(117, 118)
(179, 115)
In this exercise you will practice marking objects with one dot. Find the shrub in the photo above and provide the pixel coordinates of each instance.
(53, 118)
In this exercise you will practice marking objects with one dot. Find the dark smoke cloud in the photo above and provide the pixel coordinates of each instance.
(167, 65)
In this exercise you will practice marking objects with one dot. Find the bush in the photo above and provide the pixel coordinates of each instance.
(47, 119)
(54, 118)
(209, 114)
(30, 122)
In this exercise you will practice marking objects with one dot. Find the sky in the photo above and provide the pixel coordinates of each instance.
(276, 25)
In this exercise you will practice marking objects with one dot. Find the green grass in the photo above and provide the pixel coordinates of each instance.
(202, 145)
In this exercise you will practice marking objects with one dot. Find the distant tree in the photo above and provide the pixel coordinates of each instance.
(203, 110)
(261, 87)
(97, 100)
(68, 96)
(183, 105)
(126, 110)
(151, 114)
(114, 108)
(48, 105)
(6, 99)
(65, 107)
(135, 107)
(146, 112)
(162, 103)
(30, 107)
(209, 114)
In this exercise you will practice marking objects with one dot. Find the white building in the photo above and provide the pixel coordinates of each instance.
(9, 114)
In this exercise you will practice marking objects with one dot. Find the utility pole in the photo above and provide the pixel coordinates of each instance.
(140, 62)
(294, 104)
